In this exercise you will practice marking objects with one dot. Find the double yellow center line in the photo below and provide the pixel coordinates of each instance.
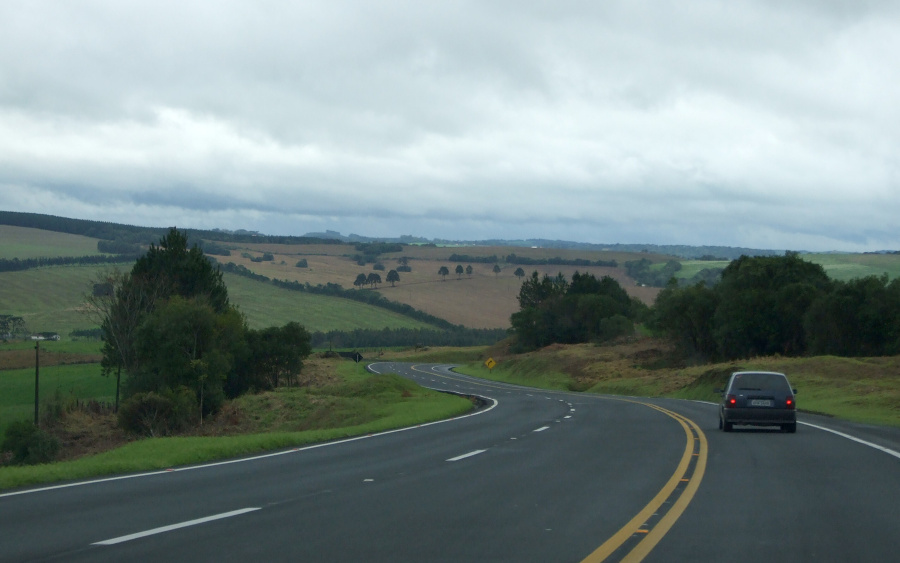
(639, 536)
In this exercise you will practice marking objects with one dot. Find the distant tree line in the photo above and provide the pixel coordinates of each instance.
(554, 310)
(88, 333)
(492, 259)
(392, 337)
(20, 264)
(119, 247)
(142, 235)
(557, 261)
(781, 305)
(336, 290)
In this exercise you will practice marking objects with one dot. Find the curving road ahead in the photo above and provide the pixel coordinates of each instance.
(533, 476)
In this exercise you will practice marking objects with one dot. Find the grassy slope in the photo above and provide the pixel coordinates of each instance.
(858, 389)
(48, 298)
(849, 266)
(357, 405)
(21, 242)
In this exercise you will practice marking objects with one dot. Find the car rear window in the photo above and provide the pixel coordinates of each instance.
(760, 381)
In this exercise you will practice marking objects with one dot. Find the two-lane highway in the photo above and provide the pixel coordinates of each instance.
(534, 476)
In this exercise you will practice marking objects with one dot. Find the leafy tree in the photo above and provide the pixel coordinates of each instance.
(177, 270)
(496, 269)
(393, 277)
(11, 325)
(459, 271)
(469, 270)
(302, 263)
(686, 316)
(169, 289)
(443, 272)
(748, 320)
(519, 273)
(554, 310)
(761, 306)
(361, 280)
(277, 354)
(373, 279)
(119, 313)
(859, 317)
(184, 342)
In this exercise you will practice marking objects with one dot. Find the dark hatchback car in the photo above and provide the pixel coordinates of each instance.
(758, 398)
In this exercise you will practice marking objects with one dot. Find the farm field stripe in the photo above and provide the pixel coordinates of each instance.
(169, 528)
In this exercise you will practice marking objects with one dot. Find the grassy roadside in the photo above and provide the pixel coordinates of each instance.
(863, 390)
(354, 403)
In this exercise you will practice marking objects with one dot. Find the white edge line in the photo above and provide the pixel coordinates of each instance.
(855, 439)
(171, 527)
(464, 456)
(541, 429)
(257, 457)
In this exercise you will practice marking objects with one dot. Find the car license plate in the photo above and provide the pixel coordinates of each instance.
(760, 403)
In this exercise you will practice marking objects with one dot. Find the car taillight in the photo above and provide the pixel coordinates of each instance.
(789, 403)
(730, 401)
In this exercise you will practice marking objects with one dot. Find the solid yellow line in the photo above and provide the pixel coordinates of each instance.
(659, 530)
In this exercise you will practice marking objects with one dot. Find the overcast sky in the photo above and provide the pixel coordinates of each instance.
(763, 124)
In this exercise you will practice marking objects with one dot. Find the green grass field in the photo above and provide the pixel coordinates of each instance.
(48, 298)
(82, 381)
(21, 242)
(849, 266)
(690, 268)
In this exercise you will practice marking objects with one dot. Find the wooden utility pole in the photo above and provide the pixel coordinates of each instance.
(37, 371)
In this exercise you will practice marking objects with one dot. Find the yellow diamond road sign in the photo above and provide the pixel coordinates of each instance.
(490, 363)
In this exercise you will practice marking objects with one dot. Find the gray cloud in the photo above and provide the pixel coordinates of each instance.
(704, 122)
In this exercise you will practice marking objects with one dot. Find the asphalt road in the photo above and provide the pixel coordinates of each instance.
(533, 476)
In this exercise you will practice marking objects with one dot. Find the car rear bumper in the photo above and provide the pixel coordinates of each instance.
(759, 416)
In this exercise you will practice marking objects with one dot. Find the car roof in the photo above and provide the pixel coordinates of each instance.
(755, 371)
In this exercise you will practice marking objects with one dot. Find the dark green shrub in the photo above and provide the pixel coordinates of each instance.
(29, 444)
(158, 414)
(614, 327)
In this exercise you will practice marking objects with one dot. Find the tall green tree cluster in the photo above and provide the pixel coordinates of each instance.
(554, 310)
(169, 327)
(784, 305)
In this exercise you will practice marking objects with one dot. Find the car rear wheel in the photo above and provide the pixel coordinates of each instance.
(790, 428)
(727, 426)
